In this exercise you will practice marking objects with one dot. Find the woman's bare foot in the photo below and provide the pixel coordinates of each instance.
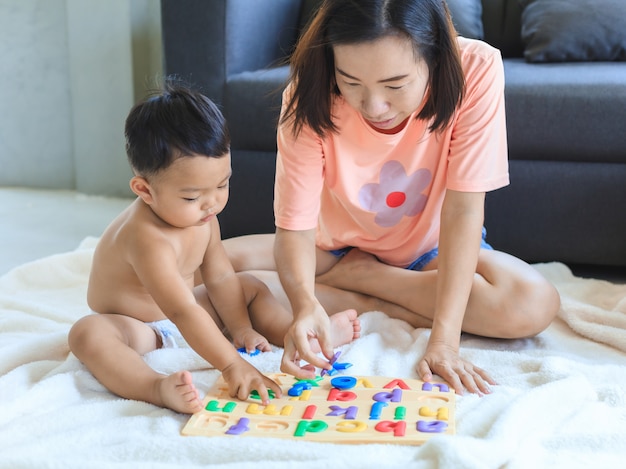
(343, 273)
(358, 273)
(345, 327)
(177, 392)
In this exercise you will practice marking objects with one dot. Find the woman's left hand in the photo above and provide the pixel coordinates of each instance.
(442, 360)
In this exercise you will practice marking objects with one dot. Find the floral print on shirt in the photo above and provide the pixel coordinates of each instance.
(396, 195)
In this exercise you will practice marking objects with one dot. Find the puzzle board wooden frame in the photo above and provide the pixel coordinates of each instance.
(340, 409)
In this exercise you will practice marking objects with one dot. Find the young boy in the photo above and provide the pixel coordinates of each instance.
(142, 277)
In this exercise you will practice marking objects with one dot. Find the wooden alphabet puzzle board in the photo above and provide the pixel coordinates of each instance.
(343, 409)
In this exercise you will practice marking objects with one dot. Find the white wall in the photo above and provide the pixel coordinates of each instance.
(71, 71)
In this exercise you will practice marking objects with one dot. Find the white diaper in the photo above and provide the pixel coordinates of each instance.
(169, 333)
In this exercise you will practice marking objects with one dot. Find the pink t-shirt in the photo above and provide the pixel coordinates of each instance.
(384, 193)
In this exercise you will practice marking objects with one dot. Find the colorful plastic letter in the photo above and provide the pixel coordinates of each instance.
(398, 428)
(396, 383)
(297, 388)
(393, 396)
(252, 354)
(351, 426)
(343, 382)
(429, 387)
(349, 413)
(254, 409)
(337, 395)
(441, 414)
(433, 426)
(400, 413)
(309, 412)
(305, 396)
(377, 410)
(332, 362)
(273, 410)
(342, 366)
(214, 406)
(366, 383)
(314, 426)
(313, 382)
(240, 427)
(255, 394)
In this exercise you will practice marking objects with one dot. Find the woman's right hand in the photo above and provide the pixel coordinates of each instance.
(307, 327)
(296, 261)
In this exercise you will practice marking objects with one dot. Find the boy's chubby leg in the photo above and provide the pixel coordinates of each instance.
(111, 347)
(254, 254)
(270, 311)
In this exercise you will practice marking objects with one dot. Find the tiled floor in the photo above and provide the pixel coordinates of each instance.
(38, 223)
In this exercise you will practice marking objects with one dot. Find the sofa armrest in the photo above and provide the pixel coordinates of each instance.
(205, 42)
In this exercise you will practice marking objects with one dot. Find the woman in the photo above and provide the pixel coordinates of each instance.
(392, 130)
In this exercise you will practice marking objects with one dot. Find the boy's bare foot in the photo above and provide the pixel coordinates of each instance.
(177, 392)
(345, 327)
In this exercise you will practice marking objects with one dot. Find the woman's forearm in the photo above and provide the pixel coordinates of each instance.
(461, 227)
(294, 253)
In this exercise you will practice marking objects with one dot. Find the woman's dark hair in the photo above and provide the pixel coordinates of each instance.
(172, 123)
(426, 23)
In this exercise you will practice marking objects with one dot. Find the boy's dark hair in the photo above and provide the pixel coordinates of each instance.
(426, 23)
(172, 123)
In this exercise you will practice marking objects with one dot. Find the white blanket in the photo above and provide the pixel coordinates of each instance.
(560, 402)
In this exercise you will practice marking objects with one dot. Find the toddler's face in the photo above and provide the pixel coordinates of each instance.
(192, 190)
(381, 79)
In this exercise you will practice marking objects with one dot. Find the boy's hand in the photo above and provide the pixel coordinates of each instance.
(251, 340)
(242, 378)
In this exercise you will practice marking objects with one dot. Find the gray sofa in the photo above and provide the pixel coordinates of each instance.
(566, 125)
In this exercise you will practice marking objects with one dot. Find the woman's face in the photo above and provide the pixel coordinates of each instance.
(381, 79)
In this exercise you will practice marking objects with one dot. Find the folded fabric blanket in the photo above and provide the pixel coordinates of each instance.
(560, 399)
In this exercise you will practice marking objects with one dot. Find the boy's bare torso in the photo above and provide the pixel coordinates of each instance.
(114, 286)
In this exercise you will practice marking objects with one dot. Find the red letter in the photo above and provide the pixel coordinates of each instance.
(337, 395)
(398, 428)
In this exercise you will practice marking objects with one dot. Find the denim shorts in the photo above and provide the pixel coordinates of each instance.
(423, 260)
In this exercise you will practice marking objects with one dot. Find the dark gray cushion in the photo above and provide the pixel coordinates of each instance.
(566, 111)
(574, 30)
(502, 23)
(467, 17)
(252, 107)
